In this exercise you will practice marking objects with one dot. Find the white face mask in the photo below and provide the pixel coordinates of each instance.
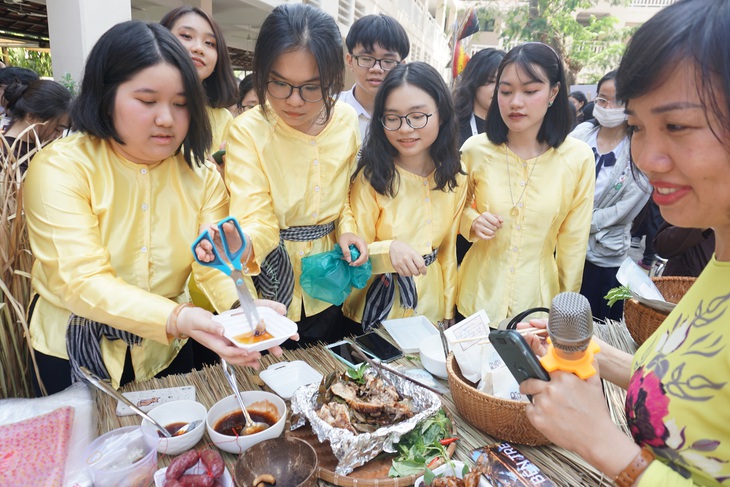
(609, 117)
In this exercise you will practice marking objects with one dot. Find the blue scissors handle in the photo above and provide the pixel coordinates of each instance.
(234, 258)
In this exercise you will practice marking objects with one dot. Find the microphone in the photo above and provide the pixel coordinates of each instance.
(570, 331)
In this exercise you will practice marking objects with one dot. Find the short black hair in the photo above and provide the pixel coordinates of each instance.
(244, 87)
(118, 55)
(12, 73)
(378, 29)
(300, 26)
(687, 31)
(481, 68)
(611, 75)
(376, 160)
(220, 86)
(42, 99)
(535, 58)
(580, 96)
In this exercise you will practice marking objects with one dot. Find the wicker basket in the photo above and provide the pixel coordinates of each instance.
(641, 320)
(499, 418)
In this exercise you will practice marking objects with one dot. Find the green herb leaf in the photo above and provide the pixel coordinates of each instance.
(357, 374)
(420, 445)
(618, 294)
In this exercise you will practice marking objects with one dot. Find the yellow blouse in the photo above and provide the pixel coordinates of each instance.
(539, 253)
(279, 177)
(423, 218)
(112, 240)
(220, 121)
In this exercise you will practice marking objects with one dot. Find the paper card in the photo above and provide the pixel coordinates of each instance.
(467, 339)
(150, 399)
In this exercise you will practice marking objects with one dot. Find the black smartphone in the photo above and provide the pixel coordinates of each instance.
(378, 346)
(517, 355)
(345, 353)
(218, 156)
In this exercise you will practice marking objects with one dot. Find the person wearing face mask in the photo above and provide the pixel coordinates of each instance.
(619, 196)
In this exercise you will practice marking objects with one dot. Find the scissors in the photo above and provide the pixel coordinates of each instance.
(236, 273)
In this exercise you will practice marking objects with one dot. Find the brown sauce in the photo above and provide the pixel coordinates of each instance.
(233, 423)
(249, 338)
(172, 428)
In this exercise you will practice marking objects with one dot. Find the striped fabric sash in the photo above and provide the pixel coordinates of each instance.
(276, 280)
(83, 345)
(381, 295)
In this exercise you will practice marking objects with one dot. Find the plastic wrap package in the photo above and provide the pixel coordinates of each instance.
(77, 396)
(328, 277)
(353, 450)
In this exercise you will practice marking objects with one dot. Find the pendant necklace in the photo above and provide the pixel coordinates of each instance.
(515, 204)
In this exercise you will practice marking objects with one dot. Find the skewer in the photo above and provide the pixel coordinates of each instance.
(381, 366)
(485, 338)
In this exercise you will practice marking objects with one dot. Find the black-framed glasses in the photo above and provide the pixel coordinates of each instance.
(416, 120)
(604, 102)
(282, 90)
(369, 62)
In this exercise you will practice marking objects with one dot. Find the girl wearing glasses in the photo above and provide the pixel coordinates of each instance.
(407, 196)
(533, 189)
(619, 197)
(289, 163)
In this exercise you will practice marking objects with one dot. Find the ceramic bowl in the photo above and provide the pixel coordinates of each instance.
(291, 461)
(432, 356)
(254, 401)
(176, 412)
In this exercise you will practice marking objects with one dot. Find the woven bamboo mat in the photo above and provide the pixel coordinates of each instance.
(562, 466)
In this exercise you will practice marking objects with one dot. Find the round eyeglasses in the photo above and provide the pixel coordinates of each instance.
(416, 120)
(604, 103)
(370, 62)
(282, 90)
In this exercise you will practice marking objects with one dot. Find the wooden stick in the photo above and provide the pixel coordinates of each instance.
(380, 365)
(485, 338)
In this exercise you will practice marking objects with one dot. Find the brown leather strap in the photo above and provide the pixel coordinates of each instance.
(629, 475)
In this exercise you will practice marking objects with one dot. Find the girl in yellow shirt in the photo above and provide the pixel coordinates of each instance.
(290, 160)
(407, 196)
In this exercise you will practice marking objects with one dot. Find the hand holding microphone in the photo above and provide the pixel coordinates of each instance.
(570, 331)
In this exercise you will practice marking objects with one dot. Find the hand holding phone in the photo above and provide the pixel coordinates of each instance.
(377, 346)
(517, 355)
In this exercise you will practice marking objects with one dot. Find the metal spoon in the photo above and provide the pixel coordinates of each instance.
(104, 386)
(250, 427)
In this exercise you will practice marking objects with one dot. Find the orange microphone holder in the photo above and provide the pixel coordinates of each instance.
(578, 363)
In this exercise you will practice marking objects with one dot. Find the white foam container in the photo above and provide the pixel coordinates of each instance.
(235, 323)
(284, 378)
(409, 332)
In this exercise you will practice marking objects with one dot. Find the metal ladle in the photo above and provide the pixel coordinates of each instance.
(251, 426)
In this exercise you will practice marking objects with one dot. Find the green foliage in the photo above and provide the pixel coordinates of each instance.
(357, 374)
(38, 61)
(70, 84)
(618, 294)
(421, 445)
(597, 45)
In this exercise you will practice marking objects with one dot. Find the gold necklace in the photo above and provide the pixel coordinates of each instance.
(515, 210)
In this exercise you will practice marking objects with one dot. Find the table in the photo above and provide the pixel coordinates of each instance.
(562, 466)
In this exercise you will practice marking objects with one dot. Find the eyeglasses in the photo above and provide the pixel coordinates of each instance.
(283, 90)
(603, 102)
(416, 120)
(369, 62)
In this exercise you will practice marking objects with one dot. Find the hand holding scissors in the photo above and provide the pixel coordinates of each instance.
(232, 267)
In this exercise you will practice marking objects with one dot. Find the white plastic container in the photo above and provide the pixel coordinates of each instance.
(285, 378)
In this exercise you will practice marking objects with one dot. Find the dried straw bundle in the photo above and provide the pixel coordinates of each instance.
(15, 267)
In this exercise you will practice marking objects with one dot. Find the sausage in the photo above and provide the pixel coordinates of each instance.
(213, 463)
(173, 483)
(198, 480)
(180, 464)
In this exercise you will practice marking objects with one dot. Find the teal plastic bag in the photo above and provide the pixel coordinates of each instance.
(328, 277)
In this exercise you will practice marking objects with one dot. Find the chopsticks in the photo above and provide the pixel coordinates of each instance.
(381, 366)
(483, 339)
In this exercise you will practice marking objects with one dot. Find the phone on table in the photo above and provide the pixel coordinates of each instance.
(517, 355)
(345, 353)
(378, 346)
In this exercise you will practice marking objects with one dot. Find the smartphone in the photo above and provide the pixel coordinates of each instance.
(345, 353)
(378, 346)
(517, 355)
(218, 156)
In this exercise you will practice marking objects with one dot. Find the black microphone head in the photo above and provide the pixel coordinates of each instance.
(570, 323)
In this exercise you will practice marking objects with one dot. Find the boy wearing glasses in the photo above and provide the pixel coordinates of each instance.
(375, 45)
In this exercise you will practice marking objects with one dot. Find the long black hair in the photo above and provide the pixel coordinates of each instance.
(532, 57)
(377, 156)
(118, 55)
(480, 70)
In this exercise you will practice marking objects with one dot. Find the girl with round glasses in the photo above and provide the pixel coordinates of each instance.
(533, 189)
(289, 163)
(407, 196)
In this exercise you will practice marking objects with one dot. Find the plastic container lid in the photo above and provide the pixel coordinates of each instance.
(285, 378)
(409, 332)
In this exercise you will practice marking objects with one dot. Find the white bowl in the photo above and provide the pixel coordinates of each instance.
(176, 412)
(447, 471)
(235, 323)
(254, 400)
(432, 356)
